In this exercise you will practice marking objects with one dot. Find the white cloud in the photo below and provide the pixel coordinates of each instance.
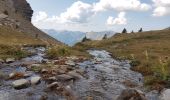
(79, 12)
(121, 5)
(162, 7)
(41, 16)
(120, 20)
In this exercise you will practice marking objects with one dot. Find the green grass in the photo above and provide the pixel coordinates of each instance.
(12, 40)
(144, 50)
(63, 51)
(10, 36)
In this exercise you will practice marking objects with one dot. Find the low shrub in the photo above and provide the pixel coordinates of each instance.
(58, 52)
(12, 51)
(135, 63)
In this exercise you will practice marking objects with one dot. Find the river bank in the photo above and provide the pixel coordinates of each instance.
(72, 78)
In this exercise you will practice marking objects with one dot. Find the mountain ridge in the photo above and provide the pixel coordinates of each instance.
(72, 37)
(17, 14)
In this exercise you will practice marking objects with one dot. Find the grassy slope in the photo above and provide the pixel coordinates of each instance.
(9, 36)
(148, 48)
(11, 40)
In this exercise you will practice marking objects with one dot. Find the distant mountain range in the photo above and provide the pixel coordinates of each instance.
(167, 28)
(72, 37)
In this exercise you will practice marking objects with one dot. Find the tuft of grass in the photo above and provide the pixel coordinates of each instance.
(55, 52)
(12, 51)
(63, 51)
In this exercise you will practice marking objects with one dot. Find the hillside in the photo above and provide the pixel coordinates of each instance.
(16, 15)
(148, 51)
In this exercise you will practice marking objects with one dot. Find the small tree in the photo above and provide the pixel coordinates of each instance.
(105, 36)
(141, 30)
(36, 36)
(124, 30)
(85, 39)
(132, 31)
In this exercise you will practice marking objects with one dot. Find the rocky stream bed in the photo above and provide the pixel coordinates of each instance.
(72, 78)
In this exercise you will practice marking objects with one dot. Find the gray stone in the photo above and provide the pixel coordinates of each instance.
(52, 78)
(74, 75)
(10, 60)
(165, 95)
(44, 70)
(54, 84)
(2, 61)
(28, 74)
(11, 75)
(20, 84)
(64, 77)
(35, 80)
(71, 63)
(2, 16)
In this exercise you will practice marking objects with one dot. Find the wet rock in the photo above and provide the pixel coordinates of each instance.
(44, 70)
(89, 98)
(80, 71)
(153, 95)
(61, 71)
(35, 80)
(52, 78)
(74, 75)
(45, 61)
(10, 60)
(28, 74)
(52, 85)
(70, 63)
(64, 77)
(2, 16)
(131, 94)
(60, 62)
(2, 61)
(44, 97)
(129, 83)
(20, 84)
(65, 68)
(165, 95)
(16, 75)
(35, 65)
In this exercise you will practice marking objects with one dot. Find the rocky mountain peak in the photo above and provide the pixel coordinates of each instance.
(17, 14)
(16, 9)
(23, 8)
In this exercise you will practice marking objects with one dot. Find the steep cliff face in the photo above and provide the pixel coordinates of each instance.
(17, 14)
(22, 7)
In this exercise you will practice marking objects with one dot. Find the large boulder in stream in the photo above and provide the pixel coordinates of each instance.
(20, 84)
(131, 94)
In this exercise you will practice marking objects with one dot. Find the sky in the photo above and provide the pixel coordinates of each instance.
(101, 15)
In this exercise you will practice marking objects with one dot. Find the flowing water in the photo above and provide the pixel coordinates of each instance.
(105, 79)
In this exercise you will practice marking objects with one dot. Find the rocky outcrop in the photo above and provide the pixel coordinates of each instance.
(17, 14)
(22, 7)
